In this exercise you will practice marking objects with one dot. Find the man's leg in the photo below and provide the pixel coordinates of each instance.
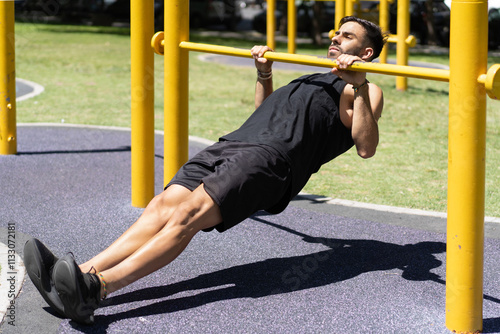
(196, 212)
(152, 220)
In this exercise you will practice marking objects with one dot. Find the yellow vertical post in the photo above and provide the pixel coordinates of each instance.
(292, 26)
(339, 12)
(349, 7)
(142, 87)
(403, 26)
(176, 87)
(466, 166)
(384, 25)
(271, 24)
(8, 131)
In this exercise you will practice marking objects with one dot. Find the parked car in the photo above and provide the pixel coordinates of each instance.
(418, 21)
(305, 16)
(201, 12)
(119, 11)
(209, 12)
(441, 13)
(106, 12)
(70, 11)
(494, 28)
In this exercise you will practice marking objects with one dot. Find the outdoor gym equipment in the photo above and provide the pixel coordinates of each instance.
(403, 39)
(8, 133)
(469, 82)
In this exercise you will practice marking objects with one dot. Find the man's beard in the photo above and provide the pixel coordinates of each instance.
(340, 51)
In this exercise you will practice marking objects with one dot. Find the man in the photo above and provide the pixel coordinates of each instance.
(260, 166)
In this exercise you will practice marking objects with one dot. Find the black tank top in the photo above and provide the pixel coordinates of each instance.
(302, 122)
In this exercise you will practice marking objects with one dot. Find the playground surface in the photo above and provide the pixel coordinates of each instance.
(315, 268)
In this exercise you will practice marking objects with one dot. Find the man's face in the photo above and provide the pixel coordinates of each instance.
(349, 39)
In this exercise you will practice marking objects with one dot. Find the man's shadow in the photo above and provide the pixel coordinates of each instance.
(342, 260)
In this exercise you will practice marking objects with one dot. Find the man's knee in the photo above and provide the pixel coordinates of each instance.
(197, 212)
(159, 209)
(168, 200)
(158, 202)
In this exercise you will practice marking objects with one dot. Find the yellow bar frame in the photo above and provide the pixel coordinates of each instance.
(384, 26)
(340, 9)
(402, 51)
(467, 126)
(292, 26)
(142, 102)
(408, 71)
(271, 24)
(403, 39)
(8, 130)
(466, 175)
(466, 166)
(176, 87)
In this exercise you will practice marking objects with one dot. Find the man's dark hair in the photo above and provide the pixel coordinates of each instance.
(374, 34)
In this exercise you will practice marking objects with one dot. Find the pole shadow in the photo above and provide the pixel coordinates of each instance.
(110, 150)
(491, 325)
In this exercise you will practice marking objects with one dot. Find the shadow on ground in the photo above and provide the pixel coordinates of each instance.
(344, 259)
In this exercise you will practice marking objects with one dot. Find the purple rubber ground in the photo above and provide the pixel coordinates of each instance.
(307, 270)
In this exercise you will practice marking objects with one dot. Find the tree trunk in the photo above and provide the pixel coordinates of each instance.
(429, 20)
(316, 23)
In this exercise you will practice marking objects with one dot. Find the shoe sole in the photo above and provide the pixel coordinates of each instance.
(65, 275)
(38, 261)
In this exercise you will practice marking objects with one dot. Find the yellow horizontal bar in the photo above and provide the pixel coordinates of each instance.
(411, 41)
(388, 69)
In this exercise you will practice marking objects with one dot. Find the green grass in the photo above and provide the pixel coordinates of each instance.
(86, 75)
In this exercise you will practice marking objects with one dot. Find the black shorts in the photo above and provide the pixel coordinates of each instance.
(241, 178)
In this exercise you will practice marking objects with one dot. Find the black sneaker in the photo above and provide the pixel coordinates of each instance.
(39, 262)
(80, 293)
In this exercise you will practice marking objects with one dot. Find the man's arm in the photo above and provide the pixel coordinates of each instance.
(366, 110)
(264, 85)
(363, 103)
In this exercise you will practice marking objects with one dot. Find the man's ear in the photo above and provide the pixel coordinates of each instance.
(367, 54)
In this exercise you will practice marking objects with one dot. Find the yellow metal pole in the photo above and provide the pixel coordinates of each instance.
(389, 69)
(271, 24)
(349, 7)
(339, 12)
(292, 26)
(384, 25)
(411, 41)
(142, 85)
(403, 26)
(8, 131)
(176, 87)
(466, 166)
